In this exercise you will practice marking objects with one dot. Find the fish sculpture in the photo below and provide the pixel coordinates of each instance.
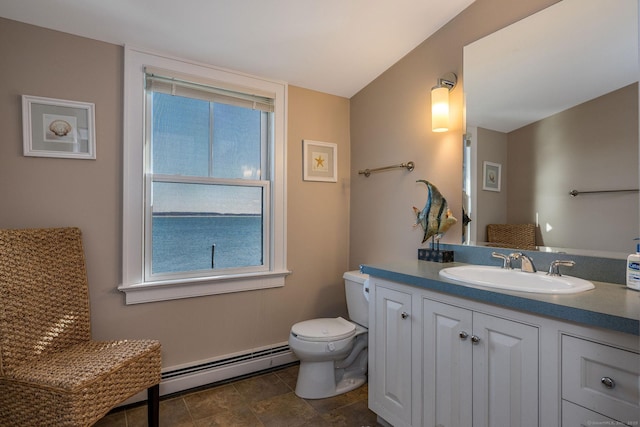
(435, 219)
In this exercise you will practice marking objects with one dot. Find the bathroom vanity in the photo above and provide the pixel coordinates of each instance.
(445, 355)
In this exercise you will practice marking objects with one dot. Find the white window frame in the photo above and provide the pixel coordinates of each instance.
(136, 289)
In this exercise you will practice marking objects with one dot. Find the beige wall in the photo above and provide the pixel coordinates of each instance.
(593, 146)
(46, 192)
(391, 123)
(491, 206)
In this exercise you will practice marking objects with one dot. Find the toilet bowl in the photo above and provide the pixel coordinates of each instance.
(333, 351)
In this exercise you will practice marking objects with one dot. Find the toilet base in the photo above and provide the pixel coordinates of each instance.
(348, 384)
(319, 380)
(316, 380)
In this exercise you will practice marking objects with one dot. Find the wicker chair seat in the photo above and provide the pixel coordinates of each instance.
(84, 365)
(78, 386)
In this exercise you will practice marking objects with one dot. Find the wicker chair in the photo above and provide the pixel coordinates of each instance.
(51, 372)
(518, 236)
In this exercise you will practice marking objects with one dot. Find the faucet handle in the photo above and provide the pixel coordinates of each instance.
(554, 268)
(506, 259)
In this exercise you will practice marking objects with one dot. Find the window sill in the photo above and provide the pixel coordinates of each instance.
(138, 293)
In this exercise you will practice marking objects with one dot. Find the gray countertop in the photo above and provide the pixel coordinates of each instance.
(610, 306)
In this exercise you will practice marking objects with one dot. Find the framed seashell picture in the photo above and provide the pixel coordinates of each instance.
(58, 128)
(492, 176)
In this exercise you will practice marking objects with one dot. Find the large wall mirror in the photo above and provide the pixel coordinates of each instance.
(552, 107)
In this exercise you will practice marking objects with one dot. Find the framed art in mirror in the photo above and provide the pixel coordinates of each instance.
(491, 176)
(58, 128)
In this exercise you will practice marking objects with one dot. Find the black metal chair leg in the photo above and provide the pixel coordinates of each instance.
(153, 405)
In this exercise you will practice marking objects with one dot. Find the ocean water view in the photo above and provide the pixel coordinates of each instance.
(183, 242)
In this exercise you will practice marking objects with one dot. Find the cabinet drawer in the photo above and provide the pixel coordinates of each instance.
(601, 378)
(577, 416)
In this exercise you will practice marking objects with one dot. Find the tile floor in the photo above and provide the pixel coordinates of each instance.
(265, 400)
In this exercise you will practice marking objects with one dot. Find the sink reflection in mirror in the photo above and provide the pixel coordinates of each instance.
(515, 280)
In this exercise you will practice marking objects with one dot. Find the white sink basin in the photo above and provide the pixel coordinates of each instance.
(515, 280)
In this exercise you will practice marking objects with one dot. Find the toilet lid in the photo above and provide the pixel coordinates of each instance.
(324, 329)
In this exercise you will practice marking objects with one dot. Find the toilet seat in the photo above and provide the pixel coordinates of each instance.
(325, 329)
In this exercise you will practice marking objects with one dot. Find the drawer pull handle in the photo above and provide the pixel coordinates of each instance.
(463, 335)
(475, 339)
(404, 315)
(608, 382)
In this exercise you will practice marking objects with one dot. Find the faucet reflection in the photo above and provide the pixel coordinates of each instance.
(506, 260)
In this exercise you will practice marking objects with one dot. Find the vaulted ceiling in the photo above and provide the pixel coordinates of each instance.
(333, 46)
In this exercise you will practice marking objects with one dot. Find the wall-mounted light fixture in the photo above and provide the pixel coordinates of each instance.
(440, 102)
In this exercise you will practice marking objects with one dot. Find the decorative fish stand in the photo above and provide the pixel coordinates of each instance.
(435, 219)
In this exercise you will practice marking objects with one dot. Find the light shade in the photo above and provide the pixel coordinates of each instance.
(440, 102)
(440, 109)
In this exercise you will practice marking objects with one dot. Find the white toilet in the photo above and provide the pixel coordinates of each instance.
(333, 352)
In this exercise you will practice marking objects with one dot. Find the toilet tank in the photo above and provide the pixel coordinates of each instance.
(357, 303)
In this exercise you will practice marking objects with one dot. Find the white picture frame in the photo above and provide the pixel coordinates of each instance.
(58, 128)
(491, 176)
(320, 161)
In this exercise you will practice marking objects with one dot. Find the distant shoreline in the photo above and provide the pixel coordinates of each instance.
(203, 214)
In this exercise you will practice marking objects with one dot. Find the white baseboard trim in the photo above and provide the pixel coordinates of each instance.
(184, 377)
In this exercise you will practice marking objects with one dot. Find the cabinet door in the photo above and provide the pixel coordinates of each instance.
(505, 373)
(392, 375)
(447, 365)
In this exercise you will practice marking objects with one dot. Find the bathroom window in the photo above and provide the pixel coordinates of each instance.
(207, 183)
(204, 198)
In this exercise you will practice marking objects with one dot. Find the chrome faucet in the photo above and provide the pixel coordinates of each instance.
(526, 263)
(554, 268)
(506, 260)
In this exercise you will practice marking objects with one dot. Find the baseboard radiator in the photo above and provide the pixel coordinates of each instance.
(185, 377)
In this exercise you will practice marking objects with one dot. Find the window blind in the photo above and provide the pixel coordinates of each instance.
(168, 82)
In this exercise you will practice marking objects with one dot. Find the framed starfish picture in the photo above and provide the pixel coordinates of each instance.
(320, 161)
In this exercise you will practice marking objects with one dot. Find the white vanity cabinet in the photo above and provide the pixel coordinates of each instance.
(438, 364)
(391, 335)
(440, 360)
(478, 370)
